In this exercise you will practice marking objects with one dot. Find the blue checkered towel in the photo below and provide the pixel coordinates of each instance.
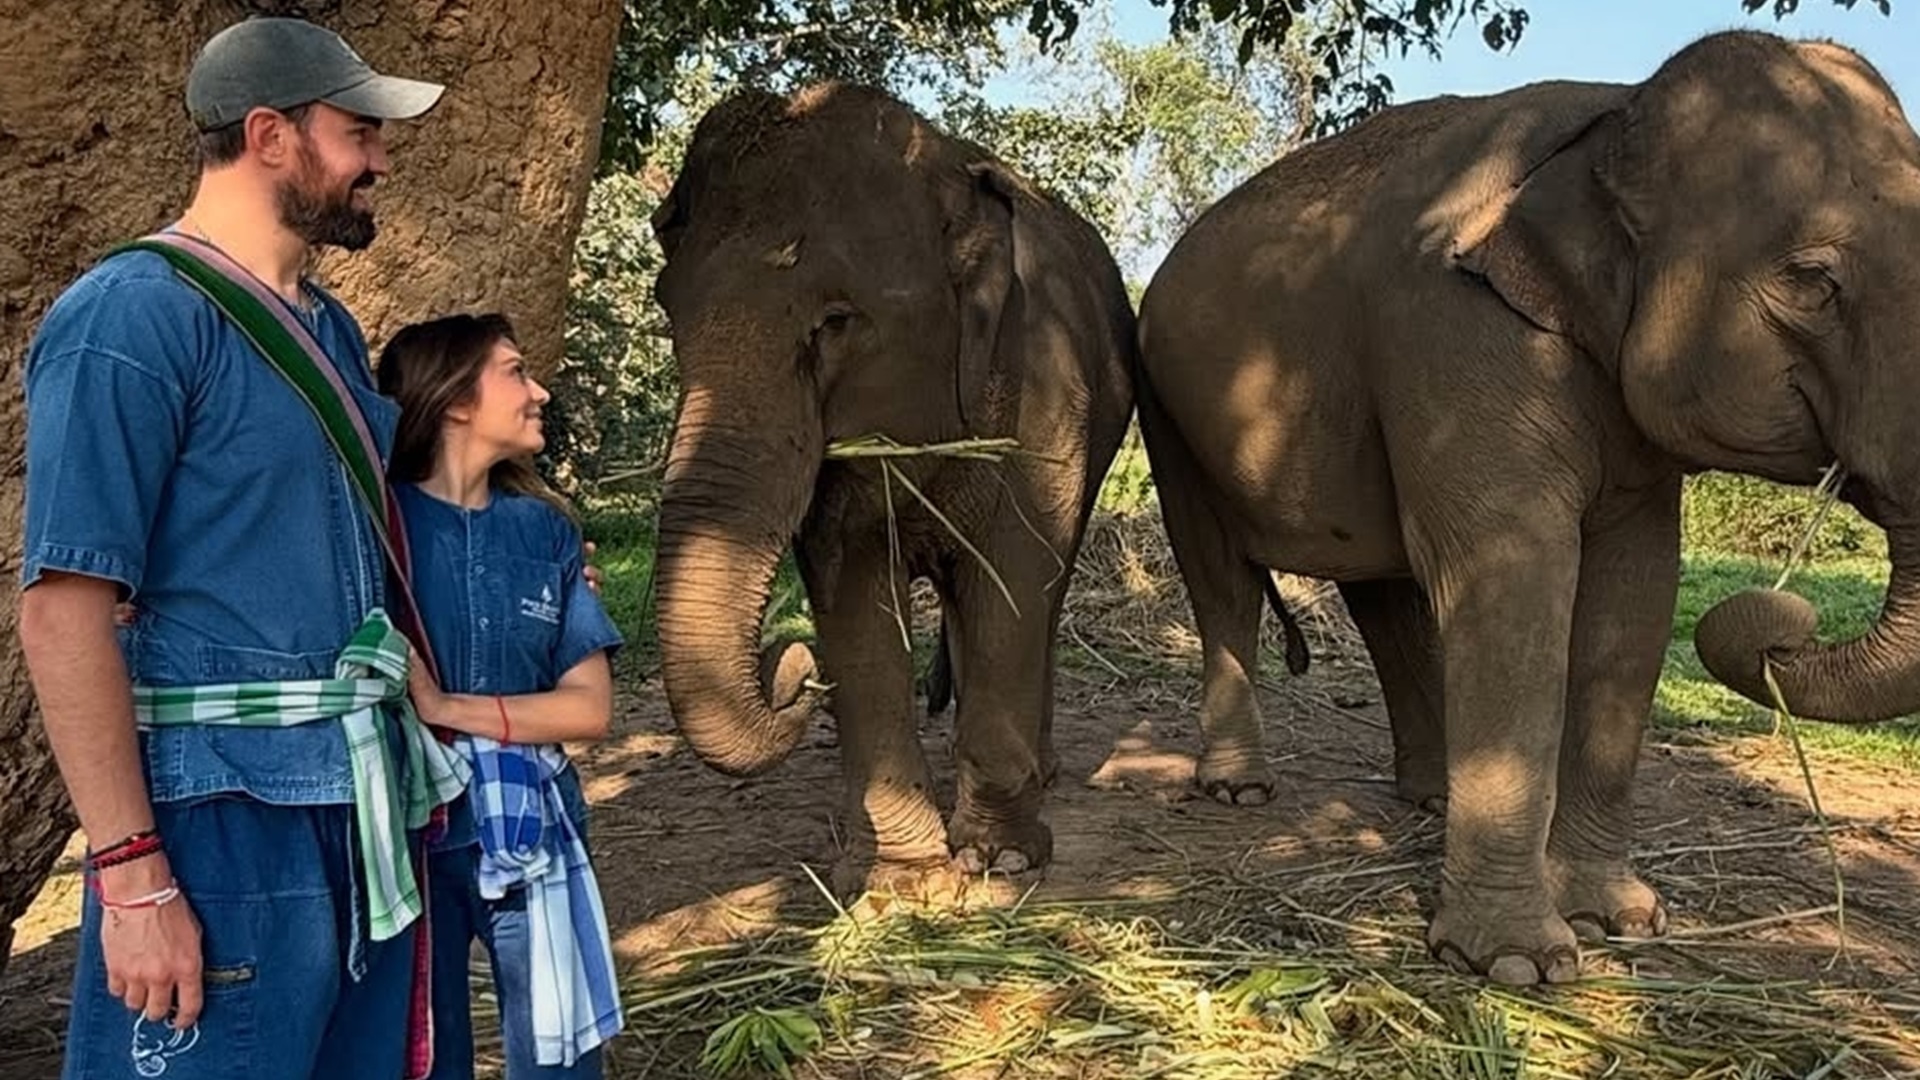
(527, 839)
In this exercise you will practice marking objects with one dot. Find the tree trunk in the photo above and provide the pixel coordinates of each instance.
(486, 197)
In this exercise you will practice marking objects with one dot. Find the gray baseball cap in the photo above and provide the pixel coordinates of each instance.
(279, 63)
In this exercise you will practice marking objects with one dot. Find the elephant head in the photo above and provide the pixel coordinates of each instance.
(1738, 240)
(835, 268)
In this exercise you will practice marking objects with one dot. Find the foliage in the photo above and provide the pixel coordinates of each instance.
(1752, 518)
(775, 44)
(935, 43)
(614, 392)
(1140, 139)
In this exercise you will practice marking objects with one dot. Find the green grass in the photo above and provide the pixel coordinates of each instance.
(625, 538)
(1846, 591)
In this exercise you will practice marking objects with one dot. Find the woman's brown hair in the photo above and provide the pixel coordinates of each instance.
(430, 367)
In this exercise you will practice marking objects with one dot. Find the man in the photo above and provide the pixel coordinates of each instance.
(225, 930)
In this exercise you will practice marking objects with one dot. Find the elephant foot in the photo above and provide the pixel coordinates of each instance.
(1008, 846)
(1605, 898)
(1512, 939)
(1422, 782)
(1235, 778)
(877, 884)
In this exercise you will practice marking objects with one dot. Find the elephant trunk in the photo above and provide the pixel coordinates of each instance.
(1874, 677)
(732, 499)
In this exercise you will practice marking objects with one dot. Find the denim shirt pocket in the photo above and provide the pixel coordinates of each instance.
(531, 602)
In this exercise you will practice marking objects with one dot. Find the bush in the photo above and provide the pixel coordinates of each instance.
(1742, 515)
(615, 392)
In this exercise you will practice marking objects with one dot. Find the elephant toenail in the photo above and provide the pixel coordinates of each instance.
(1588, 925)
(1562, 964)
(1639, 922)
(1514, 969)
(1011, 862)
(1446, 952)
(970, 861)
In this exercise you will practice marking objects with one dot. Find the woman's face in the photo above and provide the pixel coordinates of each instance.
(505, 411)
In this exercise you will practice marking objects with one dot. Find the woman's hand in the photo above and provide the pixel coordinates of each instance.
(428, 700)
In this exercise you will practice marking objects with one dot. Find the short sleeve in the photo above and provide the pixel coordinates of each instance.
(585, 627)
(108, 383)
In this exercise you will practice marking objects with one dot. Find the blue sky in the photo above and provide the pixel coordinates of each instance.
(1616, 41)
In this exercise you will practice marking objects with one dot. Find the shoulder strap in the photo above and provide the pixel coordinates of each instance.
(263, 319)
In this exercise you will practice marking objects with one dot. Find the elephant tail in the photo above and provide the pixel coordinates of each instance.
(1298, 655)
(940, 675)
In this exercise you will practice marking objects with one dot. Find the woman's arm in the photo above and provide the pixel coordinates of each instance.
(580, 708)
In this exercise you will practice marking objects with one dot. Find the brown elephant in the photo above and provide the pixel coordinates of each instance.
(1458, 359)
(837, 267)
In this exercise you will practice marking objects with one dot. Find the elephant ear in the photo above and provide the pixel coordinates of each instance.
(1555, 245)
(979, 233)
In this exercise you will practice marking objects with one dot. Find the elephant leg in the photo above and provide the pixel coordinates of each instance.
(1000, 730)
(1226, 590)
(894, 834)
(1629, 575)
(1396, 621)
(1504, 601)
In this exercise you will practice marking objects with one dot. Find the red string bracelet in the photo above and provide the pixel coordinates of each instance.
(137, 846)
(506, 726)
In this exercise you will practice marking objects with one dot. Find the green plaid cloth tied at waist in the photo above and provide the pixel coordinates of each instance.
(368, 692)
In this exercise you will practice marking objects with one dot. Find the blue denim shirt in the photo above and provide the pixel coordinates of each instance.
(506, 607)
(164, 454)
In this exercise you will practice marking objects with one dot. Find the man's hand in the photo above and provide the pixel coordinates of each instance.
(152, 953)
(587, 569)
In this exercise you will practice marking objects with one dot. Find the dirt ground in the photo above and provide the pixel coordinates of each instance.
(687, 856)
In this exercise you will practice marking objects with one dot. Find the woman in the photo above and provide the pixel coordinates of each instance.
(523, 650)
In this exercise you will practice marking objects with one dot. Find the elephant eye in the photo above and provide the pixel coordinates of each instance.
(1814, 281)
(835, 317)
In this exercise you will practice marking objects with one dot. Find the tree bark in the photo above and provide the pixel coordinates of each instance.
(481, 211)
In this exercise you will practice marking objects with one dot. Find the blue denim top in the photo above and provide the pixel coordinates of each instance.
(164, 454)
(505, 604)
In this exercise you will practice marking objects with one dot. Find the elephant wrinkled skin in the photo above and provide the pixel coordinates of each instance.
(837, 268)
(1458, 359)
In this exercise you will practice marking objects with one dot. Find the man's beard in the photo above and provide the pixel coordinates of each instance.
(320, 218)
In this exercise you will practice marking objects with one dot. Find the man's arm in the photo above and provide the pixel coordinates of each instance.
(67, 633)
(86, 700)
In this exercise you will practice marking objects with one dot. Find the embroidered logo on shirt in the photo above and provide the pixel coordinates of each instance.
(543, 608)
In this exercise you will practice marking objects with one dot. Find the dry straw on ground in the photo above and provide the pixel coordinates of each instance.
(1105, 989)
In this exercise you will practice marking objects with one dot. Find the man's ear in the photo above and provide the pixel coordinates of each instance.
(271, 135)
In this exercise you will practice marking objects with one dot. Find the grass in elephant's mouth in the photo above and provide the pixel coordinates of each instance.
(1163, 988)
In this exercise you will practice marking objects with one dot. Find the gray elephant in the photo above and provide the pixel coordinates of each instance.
(1458, 358)
(836, 268)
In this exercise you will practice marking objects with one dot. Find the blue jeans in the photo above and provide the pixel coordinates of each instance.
(276, 891)
(461, 914)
